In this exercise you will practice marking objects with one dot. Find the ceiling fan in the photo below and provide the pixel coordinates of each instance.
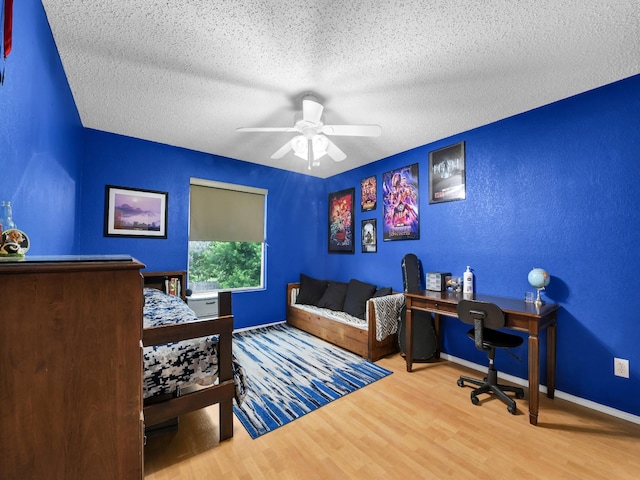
(312, 143)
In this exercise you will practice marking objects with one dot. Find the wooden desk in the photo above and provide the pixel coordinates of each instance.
(519, 315)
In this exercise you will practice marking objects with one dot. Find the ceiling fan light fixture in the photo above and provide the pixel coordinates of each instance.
(319, 145)
(299, 145)
(311, 143)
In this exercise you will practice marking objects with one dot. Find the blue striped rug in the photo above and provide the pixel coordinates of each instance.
(291, 373)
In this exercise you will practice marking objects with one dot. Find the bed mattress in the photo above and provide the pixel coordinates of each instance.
(174, 366)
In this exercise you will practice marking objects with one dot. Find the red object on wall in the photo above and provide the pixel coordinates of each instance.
(8, 26)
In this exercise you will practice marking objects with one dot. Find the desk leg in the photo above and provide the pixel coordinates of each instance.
(436, 325)
(551, 360)
(409, 338)
(534, 378)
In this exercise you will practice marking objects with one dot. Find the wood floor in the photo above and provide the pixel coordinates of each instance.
(407, 426)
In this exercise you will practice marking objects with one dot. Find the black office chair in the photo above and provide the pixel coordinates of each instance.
(486, 318)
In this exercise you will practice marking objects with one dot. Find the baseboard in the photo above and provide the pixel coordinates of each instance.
(258, 326)
(543, 388)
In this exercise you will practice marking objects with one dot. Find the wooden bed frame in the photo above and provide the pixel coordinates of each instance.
(356, 340)
(222, 393)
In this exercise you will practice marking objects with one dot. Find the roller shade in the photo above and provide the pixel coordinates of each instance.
(225, 212)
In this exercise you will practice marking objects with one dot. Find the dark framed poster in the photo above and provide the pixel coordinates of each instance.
(369, 236)
(401, 219)
(341, 221)
(368, 193)
(447, 174)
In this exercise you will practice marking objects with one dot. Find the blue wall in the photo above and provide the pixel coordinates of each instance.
(294, 231)
(40, 136)
(556, 187)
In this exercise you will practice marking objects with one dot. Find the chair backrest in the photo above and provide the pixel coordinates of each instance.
(480, 315)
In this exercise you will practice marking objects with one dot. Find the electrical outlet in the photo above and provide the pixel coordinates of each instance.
(621, 367)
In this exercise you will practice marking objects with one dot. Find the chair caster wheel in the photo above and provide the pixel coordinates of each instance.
(519, 395)
(512, 409)
(460, 382)
(474, 400)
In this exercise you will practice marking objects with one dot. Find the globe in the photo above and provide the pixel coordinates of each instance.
(538, 278)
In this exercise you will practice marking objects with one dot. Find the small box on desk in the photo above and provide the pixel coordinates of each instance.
(435, 281)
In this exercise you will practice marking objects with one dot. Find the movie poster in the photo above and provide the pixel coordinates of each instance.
(401, 219)
(341, 221)
(368, 194)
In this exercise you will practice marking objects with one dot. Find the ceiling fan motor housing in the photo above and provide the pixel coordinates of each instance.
(307, 127)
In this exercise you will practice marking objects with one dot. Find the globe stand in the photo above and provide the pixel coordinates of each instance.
(538, 301)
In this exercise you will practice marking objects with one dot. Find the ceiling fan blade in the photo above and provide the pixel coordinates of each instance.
(311, 111)
(282, 151)
(353, 130)
(334, 152)
(266, 129)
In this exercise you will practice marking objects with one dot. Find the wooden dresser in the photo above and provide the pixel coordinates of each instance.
(71, 368)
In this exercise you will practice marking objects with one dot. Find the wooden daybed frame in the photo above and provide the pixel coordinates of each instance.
(356, 340)
(222, 393)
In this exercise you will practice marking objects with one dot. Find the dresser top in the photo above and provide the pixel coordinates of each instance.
(31, 263)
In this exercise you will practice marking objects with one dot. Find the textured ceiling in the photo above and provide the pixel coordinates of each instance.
(189, 72)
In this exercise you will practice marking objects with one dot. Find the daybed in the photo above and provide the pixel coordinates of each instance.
(355, 316)
(181, 351)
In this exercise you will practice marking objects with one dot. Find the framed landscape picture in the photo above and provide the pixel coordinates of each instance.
(131, 212)
(447, 174)
(341, 221)
(401, 219)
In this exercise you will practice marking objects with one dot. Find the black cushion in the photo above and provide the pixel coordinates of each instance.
(355, 303)
(383, 292)
(334, 296)
(311, 290)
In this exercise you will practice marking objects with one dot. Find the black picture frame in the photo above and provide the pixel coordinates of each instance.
(369, 235)
(447, 177)
(135, 212)
(341, 221)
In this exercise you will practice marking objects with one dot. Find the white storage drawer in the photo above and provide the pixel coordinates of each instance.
(204, 306)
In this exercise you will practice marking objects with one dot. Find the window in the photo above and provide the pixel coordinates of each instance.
(226, 236)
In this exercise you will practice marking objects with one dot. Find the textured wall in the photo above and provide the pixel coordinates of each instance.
(40, 136)
(294, 233)
(556, 188)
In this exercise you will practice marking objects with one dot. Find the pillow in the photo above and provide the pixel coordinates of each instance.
(355, 303)
(334, 296)
(382, 292)
(311, 290)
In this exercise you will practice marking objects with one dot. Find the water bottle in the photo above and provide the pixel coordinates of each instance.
(467, 281)
(6, 218)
